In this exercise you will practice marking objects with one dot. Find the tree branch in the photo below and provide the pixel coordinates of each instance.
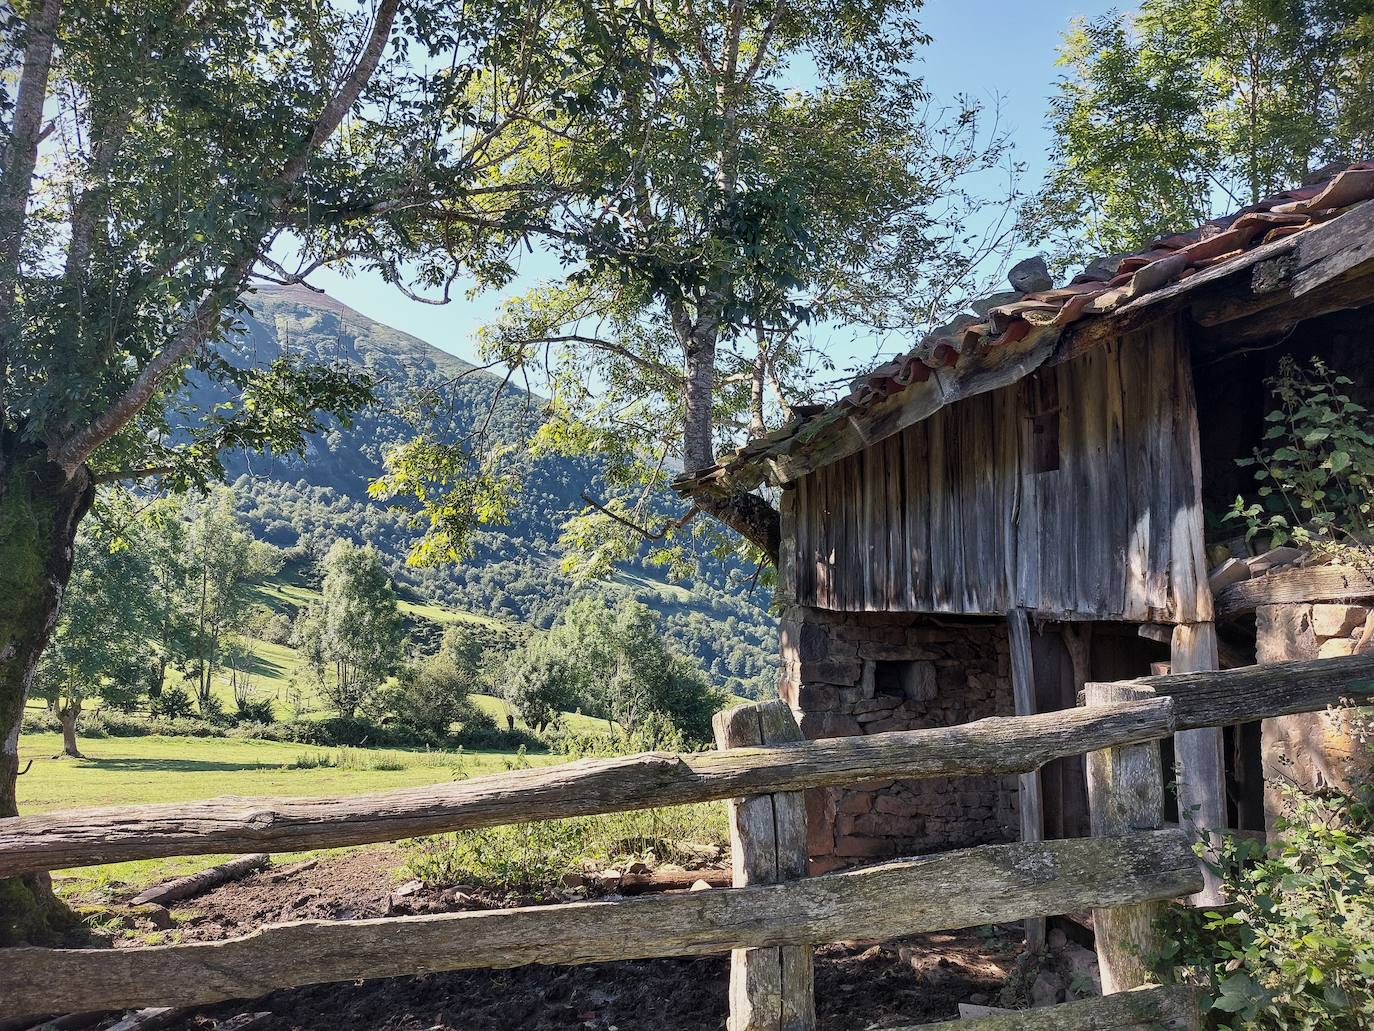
(21, 157)
(648, 535)
(196, 329)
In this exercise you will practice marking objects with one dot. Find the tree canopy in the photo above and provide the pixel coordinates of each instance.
(1182, 109)
(717, 224)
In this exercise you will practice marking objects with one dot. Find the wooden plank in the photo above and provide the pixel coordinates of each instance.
(1031, 805)
(1026, 591)
(1118, 528)
(1224, 697)
(1315, 583)
(1151, 1008)
(937, 490)
(970, 887)
(771, 989)
(898, 554)
(1139, 474)
(873, 545)
(1201, 757)
(1160, 433)
(997, 745)
(785, 590)
(916, 445)
(1192, 597)
(1125, 796)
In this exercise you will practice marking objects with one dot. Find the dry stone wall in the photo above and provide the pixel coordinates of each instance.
(853, 673)
(1318, 749)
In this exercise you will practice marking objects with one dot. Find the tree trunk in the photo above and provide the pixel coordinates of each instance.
(40, 509)
(749, 515)
(70, 713)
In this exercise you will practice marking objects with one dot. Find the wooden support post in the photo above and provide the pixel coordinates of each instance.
(1029, 795)
(770, 988)
(1125, 795)
(1201, 757)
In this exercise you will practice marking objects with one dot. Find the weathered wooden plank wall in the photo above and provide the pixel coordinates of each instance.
(965, 513)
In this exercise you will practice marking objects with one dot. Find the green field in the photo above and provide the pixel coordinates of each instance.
(179, 769)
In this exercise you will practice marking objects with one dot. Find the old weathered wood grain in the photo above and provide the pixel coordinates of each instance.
(1152, 1008)
(201, 882)
(1031, 805)
(80, 837)
(990, 884)
(1222, 697)
(953, 513)
(1125, 796)
(1317, 583)
(1201, 758)
(771, 989)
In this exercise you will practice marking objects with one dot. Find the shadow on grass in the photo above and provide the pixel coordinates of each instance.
(175, 765)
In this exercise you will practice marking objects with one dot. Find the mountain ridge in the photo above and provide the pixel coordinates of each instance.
(306, 502)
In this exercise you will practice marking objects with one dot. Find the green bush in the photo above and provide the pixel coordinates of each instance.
(172, 704)
(1295, 948)
(40, 721)
(255, 711)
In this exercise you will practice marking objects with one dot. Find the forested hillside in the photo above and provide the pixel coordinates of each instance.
(514, 572)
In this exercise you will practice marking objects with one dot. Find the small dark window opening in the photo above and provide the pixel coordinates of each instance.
(912, 680)
(1045, 442)
(1044, 424)
(889, 678)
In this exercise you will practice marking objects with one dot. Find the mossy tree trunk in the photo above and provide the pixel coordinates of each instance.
(40, 510)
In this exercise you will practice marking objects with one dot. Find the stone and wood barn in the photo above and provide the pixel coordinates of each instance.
(1028, 501)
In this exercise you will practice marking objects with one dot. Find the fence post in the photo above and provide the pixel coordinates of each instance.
(1201, 759)
(770, 988)
(1125, 794)
(1029, 799)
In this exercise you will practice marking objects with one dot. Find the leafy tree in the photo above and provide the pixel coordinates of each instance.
(241, 653)
(1171, 112)
(100, 647)
(188, 147)
(719, 219)
(611, 662)
(224, 562)
(352, 639)
(540, 682)
(432, 694)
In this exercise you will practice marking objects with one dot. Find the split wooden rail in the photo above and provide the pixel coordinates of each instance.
(773, 916)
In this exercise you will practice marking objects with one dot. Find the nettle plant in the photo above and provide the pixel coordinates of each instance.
(1315, 469)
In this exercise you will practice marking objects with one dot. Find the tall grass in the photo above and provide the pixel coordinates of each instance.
(532, 858)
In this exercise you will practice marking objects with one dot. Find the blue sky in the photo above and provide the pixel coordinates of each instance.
(988, 49)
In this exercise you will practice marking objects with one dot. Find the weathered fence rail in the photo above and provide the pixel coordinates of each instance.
(998, 745)
(78, 837)
(990, 884)
(1128, 865)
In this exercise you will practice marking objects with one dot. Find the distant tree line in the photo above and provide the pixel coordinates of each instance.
(171, 598)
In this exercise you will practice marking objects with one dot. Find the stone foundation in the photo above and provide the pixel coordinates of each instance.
(1320, 749)
(858, 673)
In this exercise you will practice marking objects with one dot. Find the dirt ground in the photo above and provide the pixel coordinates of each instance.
(859, 985)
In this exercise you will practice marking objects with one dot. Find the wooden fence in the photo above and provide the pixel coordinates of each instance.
(769, 920)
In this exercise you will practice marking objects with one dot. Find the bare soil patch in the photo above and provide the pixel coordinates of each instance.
(859, 985)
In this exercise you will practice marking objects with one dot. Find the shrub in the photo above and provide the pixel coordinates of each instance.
(172, 704)
(1315, 472)
(1295, 948)
(40, 721)
(255, 711)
